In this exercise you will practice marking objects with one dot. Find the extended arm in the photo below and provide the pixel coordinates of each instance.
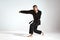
(25, 11)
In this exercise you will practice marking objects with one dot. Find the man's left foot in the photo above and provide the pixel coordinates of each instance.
(29, 35)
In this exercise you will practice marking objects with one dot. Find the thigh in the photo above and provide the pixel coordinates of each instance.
(32, 26)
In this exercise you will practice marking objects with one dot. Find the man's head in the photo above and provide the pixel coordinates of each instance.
(35, 8)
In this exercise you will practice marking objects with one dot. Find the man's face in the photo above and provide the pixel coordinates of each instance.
(35, 8)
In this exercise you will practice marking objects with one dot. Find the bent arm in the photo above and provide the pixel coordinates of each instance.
(25, 11)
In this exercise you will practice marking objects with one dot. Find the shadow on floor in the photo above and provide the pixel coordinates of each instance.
(16, 34)
(19, 34)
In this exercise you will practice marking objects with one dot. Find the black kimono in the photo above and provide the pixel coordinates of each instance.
(36, 22)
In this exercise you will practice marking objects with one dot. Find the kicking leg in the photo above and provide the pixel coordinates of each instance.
(38, 31)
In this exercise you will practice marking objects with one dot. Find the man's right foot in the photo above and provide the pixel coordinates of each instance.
(42, 33)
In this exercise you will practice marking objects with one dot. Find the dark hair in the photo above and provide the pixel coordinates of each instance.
(34, 5)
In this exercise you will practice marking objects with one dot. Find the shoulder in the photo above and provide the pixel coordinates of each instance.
(31, 11)
(40, 11)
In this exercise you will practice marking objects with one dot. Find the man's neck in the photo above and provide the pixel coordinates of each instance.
(36, 11)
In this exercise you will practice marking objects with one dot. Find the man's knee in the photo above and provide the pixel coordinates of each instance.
(35, 30)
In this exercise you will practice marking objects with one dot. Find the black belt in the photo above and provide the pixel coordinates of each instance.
(32, 21)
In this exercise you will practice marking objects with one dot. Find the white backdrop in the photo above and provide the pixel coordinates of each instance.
(11, 20)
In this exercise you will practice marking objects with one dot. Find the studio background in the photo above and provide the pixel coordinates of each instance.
(12, 20)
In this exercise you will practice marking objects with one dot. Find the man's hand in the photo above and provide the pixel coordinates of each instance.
(19, 11)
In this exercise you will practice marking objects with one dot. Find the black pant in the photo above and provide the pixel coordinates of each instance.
(33, 28)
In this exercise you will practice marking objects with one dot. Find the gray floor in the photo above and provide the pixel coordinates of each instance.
(22, 36)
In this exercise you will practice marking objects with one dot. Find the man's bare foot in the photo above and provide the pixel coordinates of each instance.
(29, 35)
(42, 33)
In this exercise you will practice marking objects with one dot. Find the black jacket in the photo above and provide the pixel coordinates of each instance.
(36, 16)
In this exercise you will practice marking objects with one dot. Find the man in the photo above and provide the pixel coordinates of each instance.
(36, 16)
